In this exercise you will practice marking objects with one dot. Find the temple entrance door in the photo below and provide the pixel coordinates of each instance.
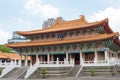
(89, 56)
(76, 57)
(44, 58)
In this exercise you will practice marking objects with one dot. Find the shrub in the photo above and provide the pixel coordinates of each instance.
(43, 72)
(92, 72)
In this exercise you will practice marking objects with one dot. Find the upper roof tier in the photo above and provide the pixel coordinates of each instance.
(68, 25)
(65, 41)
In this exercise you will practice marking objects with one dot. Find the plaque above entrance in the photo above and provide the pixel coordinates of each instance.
(59, 35)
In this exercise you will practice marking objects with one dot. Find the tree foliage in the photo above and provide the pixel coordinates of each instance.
(5, 49)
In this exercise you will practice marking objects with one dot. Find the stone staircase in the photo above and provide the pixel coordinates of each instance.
(57, 72)
(98, 70)
(74, 71)
(52, 72)
(16, 73)
(9, 73)
(117, 67)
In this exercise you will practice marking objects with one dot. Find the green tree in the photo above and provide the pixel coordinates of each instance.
(5, 49)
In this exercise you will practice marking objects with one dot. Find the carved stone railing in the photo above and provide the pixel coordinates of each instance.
(57, 63)
(8, 67)
(32, 69)
(6, 64)
(95, 63)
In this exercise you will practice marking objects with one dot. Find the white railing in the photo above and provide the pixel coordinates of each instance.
(52, 62)
(32, 69)
(8, 67)
(95, 63)
(5, 64)
(57, 63)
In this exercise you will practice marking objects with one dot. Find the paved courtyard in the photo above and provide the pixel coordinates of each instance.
(73, 78)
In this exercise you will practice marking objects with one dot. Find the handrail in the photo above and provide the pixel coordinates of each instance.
(80, 69)
(32, 69)
(92, 62)
(9, 67)
(52, 62)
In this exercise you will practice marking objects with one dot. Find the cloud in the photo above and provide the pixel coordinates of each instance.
(38, 8)
(18, 23)
(113, 14)
(4, 36)
(23, 21)
(23, 24)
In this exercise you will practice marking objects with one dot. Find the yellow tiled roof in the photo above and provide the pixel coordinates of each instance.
(64, 41)
(2, 55)
(67, 25)
(12, 56)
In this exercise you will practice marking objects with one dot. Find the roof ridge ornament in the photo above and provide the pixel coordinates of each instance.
(82, 18)
(59, 20)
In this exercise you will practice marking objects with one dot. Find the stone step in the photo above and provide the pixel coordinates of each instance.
(19, 72)
(9, 73)
(56, 72)
(15, 73)
(57, 75)
(52, 72)
(98, 70)
(74, 71)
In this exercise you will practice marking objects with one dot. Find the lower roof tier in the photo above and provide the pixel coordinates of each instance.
(66, 41)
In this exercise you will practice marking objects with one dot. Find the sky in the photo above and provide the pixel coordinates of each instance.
(24, 15)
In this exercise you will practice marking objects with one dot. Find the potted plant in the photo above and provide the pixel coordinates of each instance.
(92, 72)
(43, 73)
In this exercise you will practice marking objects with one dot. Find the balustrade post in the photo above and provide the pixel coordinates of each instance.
(52, 58)
(36, 57)
(48, 58)
(15, 62)
(70, 60)
(41, 59)
(26, 60)
(116, 58)
(106, 56)
(11, 62)
(5, 62)
(73, 62)
(57, 60)
(96, 57)
(66, 58)
(38, 61)
(82, 62)
(81, 57)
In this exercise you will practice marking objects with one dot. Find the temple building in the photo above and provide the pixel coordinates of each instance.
(11, 58)
(69, 43)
